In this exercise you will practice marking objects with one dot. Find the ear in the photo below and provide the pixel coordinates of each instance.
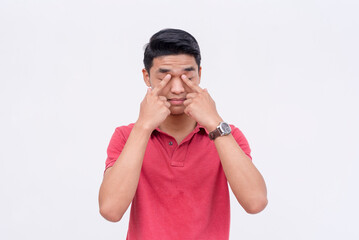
(146, 77)
(199, 73)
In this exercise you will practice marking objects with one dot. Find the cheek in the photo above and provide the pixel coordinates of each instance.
(188, 89)
(154, 83)
(164, 91)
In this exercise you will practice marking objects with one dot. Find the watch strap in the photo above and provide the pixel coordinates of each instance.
(214, 134)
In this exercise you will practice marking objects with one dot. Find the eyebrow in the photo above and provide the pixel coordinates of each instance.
(189, 69)
(165, 70)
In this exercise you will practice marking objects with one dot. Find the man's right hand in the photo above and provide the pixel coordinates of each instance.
(120, 181)
(154, 108)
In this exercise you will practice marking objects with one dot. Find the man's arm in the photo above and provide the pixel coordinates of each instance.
(245, 180)
(120, 181)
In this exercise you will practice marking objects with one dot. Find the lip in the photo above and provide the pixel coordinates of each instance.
(177, 101)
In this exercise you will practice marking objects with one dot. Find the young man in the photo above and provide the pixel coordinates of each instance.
(174, 162)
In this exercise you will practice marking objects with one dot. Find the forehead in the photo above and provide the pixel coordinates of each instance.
(174, 63)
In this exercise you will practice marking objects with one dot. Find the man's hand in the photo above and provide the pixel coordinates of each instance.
(120, 181)
(154, 108)
(200, 106)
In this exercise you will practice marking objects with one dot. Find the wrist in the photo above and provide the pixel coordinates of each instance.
(145, 128)
(213, 124)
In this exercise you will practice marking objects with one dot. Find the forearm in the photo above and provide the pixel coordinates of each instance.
(244, 179)
(120, 181)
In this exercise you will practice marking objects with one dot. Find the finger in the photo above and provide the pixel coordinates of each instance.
(190, 84)
(162, 84)
(191, 95)
(187, 111)
(162, 98)
(187, 102)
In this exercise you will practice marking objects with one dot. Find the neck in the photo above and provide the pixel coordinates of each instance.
(180, 123)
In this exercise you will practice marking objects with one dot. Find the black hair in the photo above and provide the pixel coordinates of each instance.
(171, 42)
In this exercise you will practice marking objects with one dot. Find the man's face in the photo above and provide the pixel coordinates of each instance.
(176, 89)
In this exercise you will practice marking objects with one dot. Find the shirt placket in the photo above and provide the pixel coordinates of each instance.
(179, 156)
(178, 152)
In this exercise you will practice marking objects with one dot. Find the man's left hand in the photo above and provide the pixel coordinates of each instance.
(200, 106)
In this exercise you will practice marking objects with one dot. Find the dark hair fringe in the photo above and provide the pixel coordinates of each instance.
(171, 42)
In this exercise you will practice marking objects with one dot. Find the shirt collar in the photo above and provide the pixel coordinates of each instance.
(195, 130)
(199, 127)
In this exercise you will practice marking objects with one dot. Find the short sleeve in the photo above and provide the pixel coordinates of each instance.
(116, 145)
(241, 140)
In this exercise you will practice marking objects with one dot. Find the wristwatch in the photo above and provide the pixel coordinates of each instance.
(222, 129)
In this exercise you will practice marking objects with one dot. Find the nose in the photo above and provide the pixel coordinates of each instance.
(177, 85)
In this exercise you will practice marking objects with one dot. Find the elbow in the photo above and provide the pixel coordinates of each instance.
(109, 214)
(256, 206)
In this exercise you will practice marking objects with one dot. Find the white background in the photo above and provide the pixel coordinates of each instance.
(285, 72)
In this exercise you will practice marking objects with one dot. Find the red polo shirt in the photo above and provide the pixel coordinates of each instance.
(182, 191)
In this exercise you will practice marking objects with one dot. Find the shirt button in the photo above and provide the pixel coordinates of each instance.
(170, 143)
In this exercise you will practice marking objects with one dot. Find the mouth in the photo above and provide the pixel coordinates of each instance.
(176, 101)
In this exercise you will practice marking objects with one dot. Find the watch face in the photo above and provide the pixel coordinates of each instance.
(225, 128)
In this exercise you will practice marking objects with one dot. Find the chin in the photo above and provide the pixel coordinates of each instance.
(177, 110)
(176, 113)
